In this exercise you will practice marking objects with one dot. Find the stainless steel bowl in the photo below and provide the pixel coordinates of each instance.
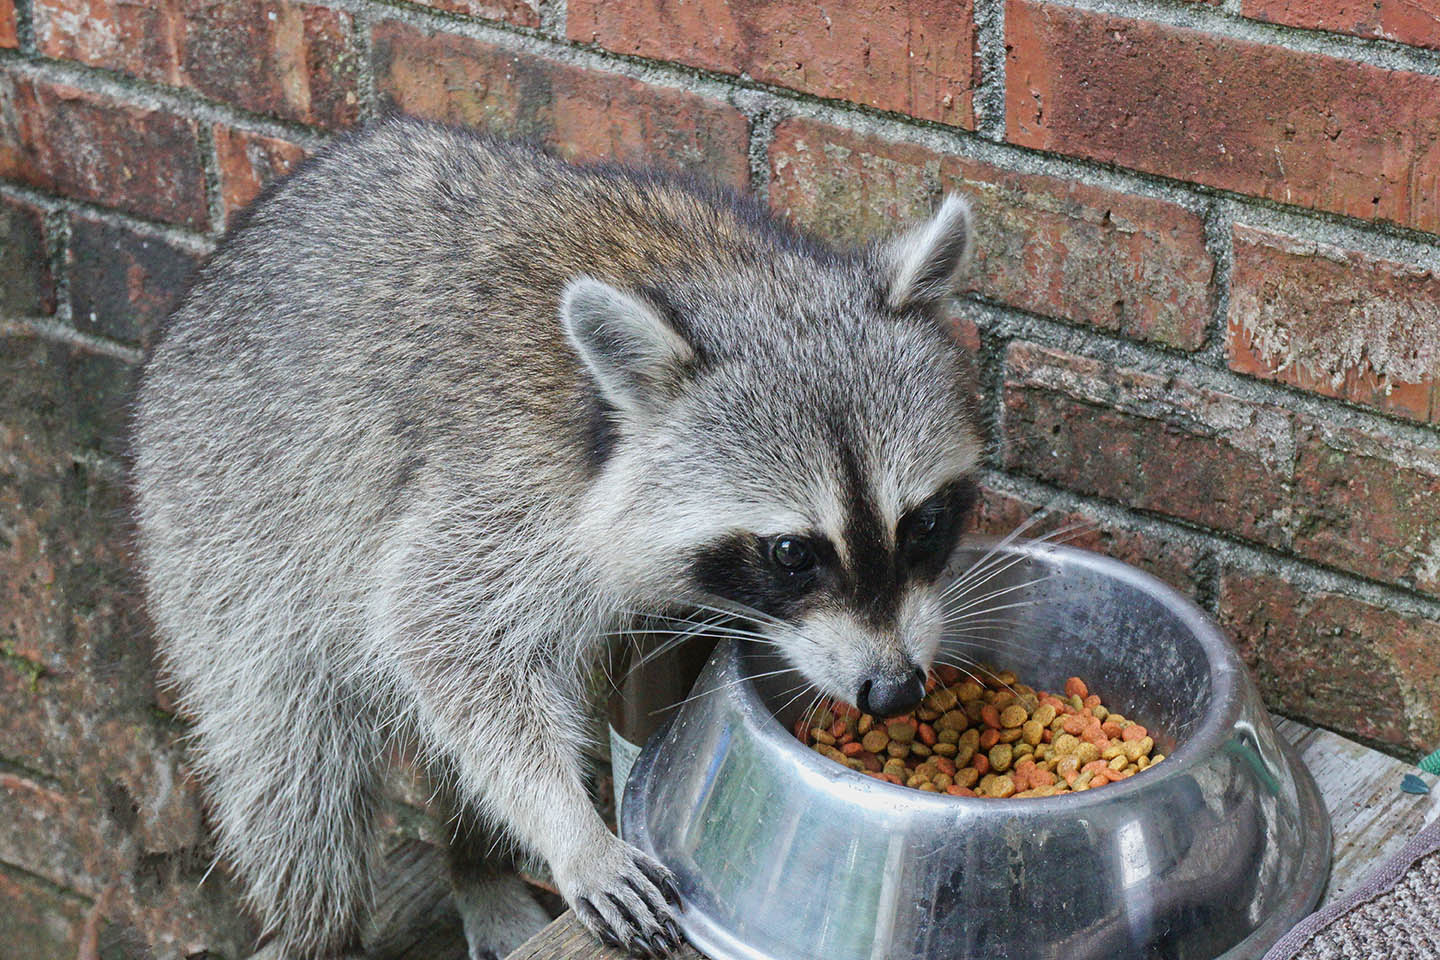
(782, 854)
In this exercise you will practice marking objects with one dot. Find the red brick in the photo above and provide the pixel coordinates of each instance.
(9, 29)
(66, 140)
(1335, 660)
(1134, 265)
(294, 60)
(1405, 21)
(26, 284)
(1294, 127)
(1333, 321)
(1369, 503)
(526, 13)
(1151, 442)
(1170, 559)
(123, 283)
(582, 114)
(915, 57)
(249, 162)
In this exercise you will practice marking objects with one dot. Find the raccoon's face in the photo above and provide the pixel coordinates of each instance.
(810, 464)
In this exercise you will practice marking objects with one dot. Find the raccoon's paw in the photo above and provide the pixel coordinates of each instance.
(625, 898)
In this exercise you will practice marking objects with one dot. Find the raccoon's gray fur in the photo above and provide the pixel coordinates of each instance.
(441, 412)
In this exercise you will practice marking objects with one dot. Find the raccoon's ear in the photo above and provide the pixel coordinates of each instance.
(635, 355)
(922, 265)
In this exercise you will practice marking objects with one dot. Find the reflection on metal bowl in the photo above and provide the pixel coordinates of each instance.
(785, 855)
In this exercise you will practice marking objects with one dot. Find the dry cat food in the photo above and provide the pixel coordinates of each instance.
(994, 737)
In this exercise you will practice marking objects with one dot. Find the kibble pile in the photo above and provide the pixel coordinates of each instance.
(990, 736)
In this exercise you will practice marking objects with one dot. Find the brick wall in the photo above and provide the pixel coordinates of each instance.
(1206, 313)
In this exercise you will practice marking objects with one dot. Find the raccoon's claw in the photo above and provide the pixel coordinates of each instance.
(621, 896)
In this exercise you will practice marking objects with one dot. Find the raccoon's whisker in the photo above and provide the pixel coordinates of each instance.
(990, 565)
(996, 593)
(1018, 604)
(953, 638)
(803, 687)
(736, 608)
(723, 686)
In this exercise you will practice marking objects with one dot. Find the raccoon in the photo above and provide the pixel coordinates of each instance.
(439, 413)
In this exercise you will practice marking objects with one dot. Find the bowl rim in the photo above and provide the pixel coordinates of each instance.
(1215, 726)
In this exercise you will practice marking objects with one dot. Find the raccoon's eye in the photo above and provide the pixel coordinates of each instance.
(791, 554)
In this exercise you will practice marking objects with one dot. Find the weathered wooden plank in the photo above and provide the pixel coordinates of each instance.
(1370, 815)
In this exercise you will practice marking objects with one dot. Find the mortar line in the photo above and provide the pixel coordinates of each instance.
(1375, 52)
(57, 330)
(1307, 575)
(25, 27)
(1218, 242)
(989, 97)
(191, 242)
(1107, 347)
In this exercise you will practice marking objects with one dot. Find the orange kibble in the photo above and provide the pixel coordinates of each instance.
(1042, 778)
(947, 674)
(1047, 735)
(1075, 687)
(990, 716)
(871, 761)
(802, 730)
(931, 682)
(891, 778)
(956, 790)
(837, 729)
(1111, 728)
(926, 734)
(981, 763)
(1134, 732)
(852, 749)
(989, 738)
(1096, 767)
(945, 765)
(1092, 701)
(1074, 725)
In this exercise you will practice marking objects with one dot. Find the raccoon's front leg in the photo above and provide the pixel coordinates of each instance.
(536, 790)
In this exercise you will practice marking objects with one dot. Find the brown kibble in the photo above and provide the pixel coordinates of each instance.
(1032, 731)
(1013, 716)
(901, 731)
(1002, 787)
(1001, 738)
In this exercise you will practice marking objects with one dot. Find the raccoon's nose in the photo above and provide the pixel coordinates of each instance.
(885, 696)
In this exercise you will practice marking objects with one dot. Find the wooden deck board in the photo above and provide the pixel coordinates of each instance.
(1370, 815)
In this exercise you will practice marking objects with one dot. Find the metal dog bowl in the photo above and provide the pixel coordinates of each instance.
(782, 854)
